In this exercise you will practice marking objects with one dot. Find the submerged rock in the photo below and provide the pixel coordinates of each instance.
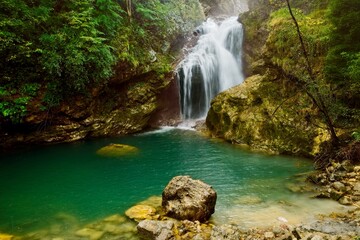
(117, 150)
(91, 234)
(185, 198)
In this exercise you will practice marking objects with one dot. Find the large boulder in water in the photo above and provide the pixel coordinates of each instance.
(185, 198)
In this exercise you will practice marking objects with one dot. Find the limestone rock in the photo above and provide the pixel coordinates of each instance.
(269, 235)
(156, 230)
(116, 150)
(185, 198)
(228, 232)
(357, 187)
(339, 186)
(241, 115)
(141, 212)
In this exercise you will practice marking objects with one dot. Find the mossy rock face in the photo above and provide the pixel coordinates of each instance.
(251, 114)
(117, 150)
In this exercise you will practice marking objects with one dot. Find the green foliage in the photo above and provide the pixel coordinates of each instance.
(63, 46)
(52, 50)
(284, 49)
(284, 46)
(153, 25)
(356, 136)
(342, 69)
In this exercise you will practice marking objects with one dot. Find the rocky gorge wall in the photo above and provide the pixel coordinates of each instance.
(134, 98)
(267, 112)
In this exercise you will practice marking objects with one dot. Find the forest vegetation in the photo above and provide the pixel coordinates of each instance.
(53, 50)
(301, 94)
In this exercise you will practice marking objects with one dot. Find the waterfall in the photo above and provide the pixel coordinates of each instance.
(212, 66)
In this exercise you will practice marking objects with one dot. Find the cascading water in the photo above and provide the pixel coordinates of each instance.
(212, 66)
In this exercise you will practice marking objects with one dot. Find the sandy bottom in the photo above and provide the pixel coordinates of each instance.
(249, 212)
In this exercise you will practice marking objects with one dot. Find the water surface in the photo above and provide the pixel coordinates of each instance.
(39, 184)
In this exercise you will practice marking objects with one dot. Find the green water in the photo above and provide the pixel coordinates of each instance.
(71, 179)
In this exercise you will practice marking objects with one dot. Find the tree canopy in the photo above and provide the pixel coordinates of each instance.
(51, 50)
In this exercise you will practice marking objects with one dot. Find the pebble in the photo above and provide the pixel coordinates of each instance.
(317, 237)
(269, 235)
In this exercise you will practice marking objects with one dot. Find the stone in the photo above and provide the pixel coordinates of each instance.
(335, 195)
(347, 166)
(156, 230)
(345, 200)
(339, 186)
(317, 237)
(141, 212)
(184, 198)
(116, 150)
(357, 187)
(92, 234)
(269, 235)
(225, 232)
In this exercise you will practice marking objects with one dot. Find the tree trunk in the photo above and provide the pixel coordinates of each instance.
(128, 8)
(316, 96)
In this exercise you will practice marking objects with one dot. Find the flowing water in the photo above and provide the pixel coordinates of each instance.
(212, 66)
(39, 185)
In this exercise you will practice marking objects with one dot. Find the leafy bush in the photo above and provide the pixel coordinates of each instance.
(63, 46)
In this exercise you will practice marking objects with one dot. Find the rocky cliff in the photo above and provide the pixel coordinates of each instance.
(269, 111)
(141, 93)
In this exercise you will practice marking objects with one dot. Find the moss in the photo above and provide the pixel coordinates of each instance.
(117, 150)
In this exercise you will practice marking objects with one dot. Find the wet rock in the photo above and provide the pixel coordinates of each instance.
(339, 186)
(141, 212)
(317, 237)
(185, 198)
(116, 150)
(357, 187)
(269, 235)
(336, 195)
(91, 234)
(228, 232)
(156, 230)
(345, 200)
(112, 229)
(334, 227)
(116, 218)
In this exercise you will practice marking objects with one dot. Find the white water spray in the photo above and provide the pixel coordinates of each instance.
(213, 66)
